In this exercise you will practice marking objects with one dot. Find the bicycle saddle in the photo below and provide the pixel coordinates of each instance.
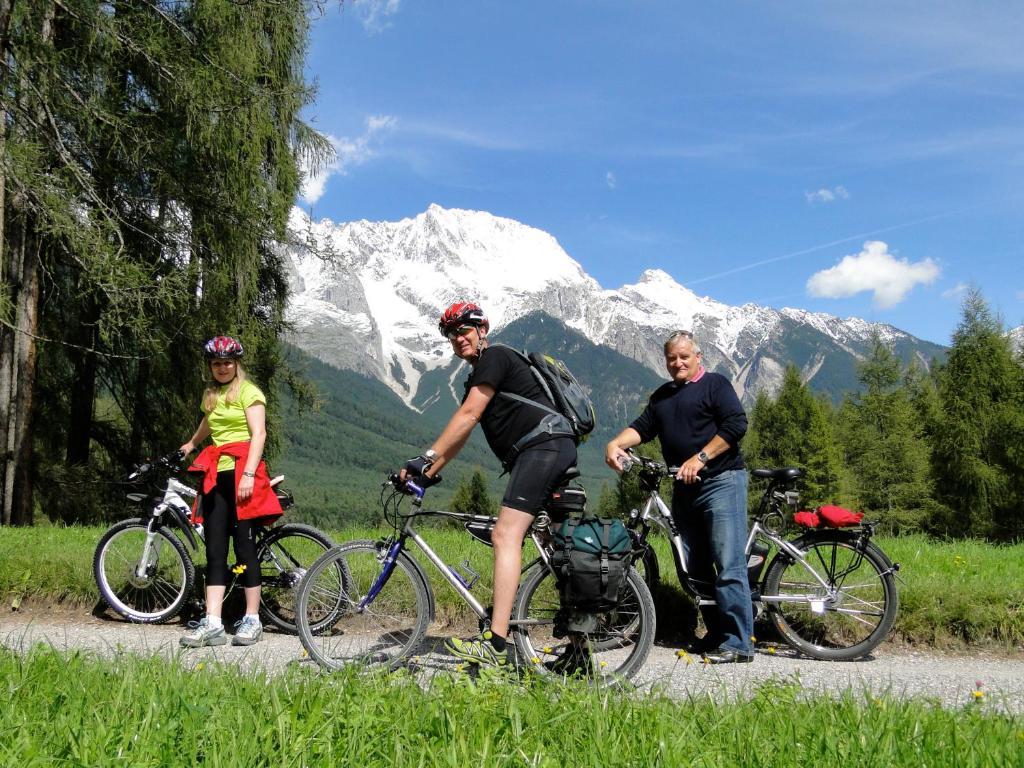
(782, 473)
(570, 474)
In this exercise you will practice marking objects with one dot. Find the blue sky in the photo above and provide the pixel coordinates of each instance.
(862, 159)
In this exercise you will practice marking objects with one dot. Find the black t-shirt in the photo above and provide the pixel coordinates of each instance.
(687, 416)
(505, 420)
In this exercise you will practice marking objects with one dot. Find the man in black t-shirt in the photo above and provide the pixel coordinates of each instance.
(700, 422)
(534, 445)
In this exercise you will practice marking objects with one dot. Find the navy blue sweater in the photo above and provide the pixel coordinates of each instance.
(687, 416)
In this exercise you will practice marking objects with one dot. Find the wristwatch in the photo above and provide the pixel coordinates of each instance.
(249, 474)
(703, 457)
(430, 454)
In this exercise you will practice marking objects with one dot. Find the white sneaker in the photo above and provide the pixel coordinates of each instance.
(202, 633)
(247, 632)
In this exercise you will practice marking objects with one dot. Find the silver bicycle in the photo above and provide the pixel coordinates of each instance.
(371, 602)
(830, 593)
(144, 569)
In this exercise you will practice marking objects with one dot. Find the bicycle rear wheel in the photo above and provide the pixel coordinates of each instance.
(848, 618)
(349, 610)
(284, 554)
(167, 579)
(610, 654)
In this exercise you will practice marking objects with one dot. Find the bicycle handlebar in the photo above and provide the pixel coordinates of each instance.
(648, 464)
(170, 461)
(409, 486)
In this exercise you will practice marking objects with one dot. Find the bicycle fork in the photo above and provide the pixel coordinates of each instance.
(387, 568)
(151, 549)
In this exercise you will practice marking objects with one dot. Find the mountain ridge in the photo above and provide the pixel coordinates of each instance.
(366, 296)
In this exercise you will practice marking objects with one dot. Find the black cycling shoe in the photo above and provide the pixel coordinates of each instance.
(701, 645)
(727, 656)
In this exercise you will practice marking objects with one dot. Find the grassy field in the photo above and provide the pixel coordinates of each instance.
(77, 710)
(952, 594)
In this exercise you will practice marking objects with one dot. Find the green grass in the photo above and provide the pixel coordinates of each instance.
(80, 710)
(952, 593)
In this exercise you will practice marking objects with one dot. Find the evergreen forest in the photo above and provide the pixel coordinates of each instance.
(150, 156)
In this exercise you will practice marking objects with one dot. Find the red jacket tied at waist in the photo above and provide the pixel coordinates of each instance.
(262, 503)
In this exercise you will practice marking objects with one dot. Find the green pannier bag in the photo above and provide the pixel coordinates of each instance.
(591, 558)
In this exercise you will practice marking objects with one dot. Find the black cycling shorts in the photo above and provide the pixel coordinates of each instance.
(536, 474)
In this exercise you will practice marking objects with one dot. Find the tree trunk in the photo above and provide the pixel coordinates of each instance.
(18, 342)
(82, 396)
(25, 357)
(15, 252)
(6, 334)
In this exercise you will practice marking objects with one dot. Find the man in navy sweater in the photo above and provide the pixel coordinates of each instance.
(700, 422)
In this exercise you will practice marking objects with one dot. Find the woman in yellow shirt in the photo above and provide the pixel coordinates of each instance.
(235, 418)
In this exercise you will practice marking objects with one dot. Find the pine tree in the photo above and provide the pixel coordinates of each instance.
(472, 497)
(978, 451)
(795, 430)
(884, 443)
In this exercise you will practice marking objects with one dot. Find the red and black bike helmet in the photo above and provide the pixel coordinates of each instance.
(222, 348)
(462, 313)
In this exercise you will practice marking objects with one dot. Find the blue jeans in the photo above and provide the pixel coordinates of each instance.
(712, 519)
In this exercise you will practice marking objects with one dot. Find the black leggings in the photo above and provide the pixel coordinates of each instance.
(220, 520)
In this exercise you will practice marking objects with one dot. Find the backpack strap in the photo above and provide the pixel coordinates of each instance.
(570, 526)
(552, 425)
(536, 375)
(606, 528)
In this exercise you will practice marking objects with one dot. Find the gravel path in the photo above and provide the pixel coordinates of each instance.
(949, 679)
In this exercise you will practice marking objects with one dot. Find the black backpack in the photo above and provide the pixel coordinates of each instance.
(561, 387)
(590, 559)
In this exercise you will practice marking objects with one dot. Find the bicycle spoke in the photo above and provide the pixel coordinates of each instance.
(336, 632)
(845, 620)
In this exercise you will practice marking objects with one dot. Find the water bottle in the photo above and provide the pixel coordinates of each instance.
(755, 562)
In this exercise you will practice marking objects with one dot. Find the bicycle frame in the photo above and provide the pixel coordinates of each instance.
(456, 580)
(174, 504)
(656, 512)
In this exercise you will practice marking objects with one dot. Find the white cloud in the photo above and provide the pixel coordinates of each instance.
(826, 195)
(873, 269)
(347, 154)
(375, 15)
(956, 291)
(610, 180)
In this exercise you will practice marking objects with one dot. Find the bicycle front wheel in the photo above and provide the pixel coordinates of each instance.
(647, 566)
(351, 610)
(284, 555)
(848, 612)
(147, 592)
(611, 653)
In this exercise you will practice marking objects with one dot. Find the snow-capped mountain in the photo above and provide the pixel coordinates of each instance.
(366, 297)
(1017, 338)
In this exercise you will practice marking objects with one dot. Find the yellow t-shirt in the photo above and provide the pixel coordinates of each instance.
(227, 420)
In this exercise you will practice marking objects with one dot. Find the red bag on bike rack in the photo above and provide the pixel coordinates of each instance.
(807, 519)
(839, 517)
